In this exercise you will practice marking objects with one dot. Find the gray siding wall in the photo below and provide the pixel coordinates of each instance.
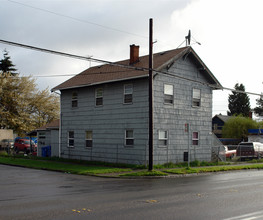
(54, 143)
(107, 123)
(51, 139)
(173, 117)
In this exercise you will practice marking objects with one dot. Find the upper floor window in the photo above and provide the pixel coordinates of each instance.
(71, 139)
(74, 100)
(168, 94)
(99, 97)
(88, 139)
(196, 97)
(129, 140)
(195, 138)
(128, 91)
(163, 138)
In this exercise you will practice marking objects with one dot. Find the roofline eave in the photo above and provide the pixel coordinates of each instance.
(99, 83)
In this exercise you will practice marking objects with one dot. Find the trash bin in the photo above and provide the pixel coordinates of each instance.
(46, 151)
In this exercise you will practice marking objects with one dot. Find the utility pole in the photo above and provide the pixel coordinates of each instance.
(150, 95)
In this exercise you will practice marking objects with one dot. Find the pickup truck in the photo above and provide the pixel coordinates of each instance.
(229, 153)
(24, 145)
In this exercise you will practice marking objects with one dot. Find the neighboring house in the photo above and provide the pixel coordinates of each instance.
(255, 135)
(48, 135)
(6, 138)
(218, 121)
(105, 111)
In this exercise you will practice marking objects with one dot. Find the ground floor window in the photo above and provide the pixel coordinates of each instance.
(88, 138)
(41, 137)
(195, 138)
(129, 139)
(163, 138)
(71, 139)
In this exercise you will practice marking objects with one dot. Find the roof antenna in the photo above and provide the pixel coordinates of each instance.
(188, 38)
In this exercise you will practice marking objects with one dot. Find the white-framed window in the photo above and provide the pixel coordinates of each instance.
(195, 138)
(129, 139)
(74, 100)
(196, 98)
(163, 138)
(168, 94)
(70, 138)
(41, 137)
(99, 97)
(127, 95)
(88, 139)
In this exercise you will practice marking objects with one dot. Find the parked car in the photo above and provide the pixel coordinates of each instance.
(25, 146)
(6, 143)
(228, 153)
(250, 150)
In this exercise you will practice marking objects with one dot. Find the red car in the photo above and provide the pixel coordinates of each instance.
(24, 145)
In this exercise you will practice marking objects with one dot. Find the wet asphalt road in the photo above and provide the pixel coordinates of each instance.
(35, 194)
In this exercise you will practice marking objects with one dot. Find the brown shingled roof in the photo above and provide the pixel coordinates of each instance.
(110, 73)
(52, 125)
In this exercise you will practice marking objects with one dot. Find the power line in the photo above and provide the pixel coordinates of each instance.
(77, 19)
(89, 58)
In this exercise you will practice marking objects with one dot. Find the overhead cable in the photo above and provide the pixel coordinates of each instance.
(89, 58)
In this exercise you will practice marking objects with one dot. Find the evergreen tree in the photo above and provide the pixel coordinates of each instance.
(259, 109)
(6, 65)
(239, 103)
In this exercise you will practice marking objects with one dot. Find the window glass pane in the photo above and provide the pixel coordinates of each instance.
(196, 93)
(128, 98)
(163, 142)
(195, 142)
(99, 101)
(74, 95)
(88, 143)
(89, 135)
(99, 92)
(129, 141)
(162, 134)
(74, 103)
(74, 100)
(129, 133)
(128, 89)
(71, 142)
(71, 134)
(168, 89)
(195, 135)
(196, 103)
(195, 138)
(99, 96)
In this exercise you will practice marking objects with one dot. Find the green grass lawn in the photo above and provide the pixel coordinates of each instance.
(62, 166)
(99, 168)
(214, 169)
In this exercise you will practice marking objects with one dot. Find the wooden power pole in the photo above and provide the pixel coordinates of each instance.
(150, 95)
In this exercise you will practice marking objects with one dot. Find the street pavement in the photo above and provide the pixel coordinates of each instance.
(37, 194)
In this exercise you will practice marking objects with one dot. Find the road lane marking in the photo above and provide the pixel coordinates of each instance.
(249, 216)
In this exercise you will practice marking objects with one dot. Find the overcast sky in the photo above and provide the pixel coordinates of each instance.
(230, 33)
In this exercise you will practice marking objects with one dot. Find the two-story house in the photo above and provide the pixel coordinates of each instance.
(105, 110)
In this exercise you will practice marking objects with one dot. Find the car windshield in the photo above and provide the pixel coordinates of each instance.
(246, 147)
(27, 142)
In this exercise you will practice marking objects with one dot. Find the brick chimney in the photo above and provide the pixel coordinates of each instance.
(134, 54)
